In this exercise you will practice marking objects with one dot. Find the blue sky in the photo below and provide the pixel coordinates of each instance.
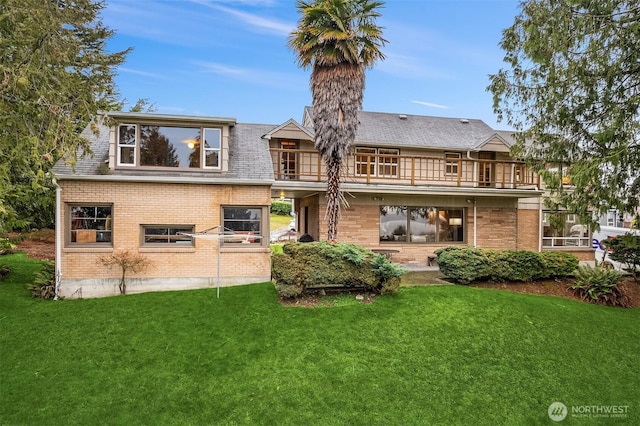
(226, 58)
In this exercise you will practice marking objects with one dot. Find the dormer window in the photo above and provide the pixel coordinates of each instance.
(147, 145)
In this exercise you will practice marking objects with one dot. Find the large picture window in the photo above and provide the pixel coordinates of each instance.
(560, 229)
(90, 224)
(421, 224)
(246, 224)
(169, 146)
(163, 235)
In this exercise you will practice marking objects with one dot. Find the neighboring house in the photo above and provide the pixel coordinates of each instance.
(412, 184)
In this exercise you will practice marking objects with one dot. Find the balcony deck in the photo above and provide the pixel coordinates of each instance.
(307, 166)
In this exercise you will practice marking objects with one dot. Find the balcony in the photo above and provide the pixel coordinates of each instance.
(307, 166)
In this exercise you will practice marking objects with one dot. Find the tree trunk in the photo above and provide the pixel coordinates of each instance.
(333, 199)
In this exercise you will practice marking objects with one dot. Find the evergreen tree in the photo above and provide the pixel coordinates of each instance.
(572, 90)
(55, 75)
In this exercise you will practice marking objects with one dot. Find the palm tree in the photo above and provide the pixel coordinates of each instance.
(339, 40)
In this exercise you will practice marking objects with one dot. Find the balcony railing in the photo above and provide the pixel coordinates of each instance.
(307, 165)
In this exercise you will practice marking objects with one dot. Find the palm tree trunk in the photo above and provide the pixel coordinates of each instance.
(333, 198)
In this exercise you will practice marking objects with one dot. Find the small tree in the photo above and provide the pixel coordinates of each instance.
(127, 261)
(626, 250)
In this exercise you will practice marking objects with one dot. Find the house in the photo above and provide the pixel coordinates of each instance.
(412, 184)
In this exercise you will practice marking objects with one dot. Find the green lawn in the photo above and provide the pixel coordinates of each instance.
(428, 355)
(279, 221)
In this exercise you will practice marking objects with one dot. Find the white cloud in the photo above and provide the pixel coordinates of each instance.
(139, 72)
(430, 104)
(256, 22)
(255, 76)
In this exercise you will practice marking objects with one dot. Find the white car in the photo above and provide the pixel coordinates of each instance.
(602, 256)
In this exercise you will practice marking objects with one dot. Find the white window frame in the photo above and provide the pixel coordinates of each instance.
(121, 146)
(218, 149)
(136, 146)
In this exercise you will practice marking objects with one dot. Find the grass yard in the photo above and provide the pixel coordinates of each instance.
(428, 355)
(278, 221)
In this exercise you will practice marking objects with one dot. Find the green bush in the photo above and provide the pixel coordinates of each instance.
(463, 264)
(6, 246)
(599, 285)
(304, 267)
(4, 270)
(626, 250)
(44, 284)
(467, 264)
(558, 264)
(282, 208)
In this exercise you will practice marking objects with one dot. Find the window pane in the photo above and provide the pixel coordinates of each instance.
(422, 227)
(245, 222)
(388, 162)
(127, 144)
(90, 224)
(366, 161)
(453, 225)
(211, 158)
(127, 134)
(393, 223)
(560, 229)
(423, 224)
(159, 234)
(212, 142)
(165, 146)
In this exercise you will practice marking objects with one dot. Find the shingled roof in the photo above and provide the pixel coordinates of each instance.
(417, 131)
(249, 157)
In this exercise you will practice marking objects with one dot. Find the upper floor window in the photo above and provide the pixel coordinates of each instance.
(381, 162)
(169, 146)
(453, 160)
(127, 144)
(89, 224)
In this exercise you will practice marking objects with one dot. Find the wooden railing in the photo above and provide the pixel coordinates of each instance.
(307, 165)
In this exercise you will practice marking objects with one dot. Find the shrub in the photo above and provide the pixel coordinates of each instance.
(558, 264)
(626, 250)
(126, 261)
(599, 285)
(4, 270)
(463, 264)
(281, 208)
(44, 282)
(467, 264)
(6, 246)
(304, 267)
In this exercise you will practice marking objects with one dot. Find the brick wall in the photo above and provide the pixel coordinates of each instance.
(497, 228)
(136, 204)
(528, 229)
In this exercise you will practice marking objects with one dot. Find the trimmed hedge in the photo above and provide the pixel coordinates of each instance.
(305, 267)
(281, 208)
(466, 264)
